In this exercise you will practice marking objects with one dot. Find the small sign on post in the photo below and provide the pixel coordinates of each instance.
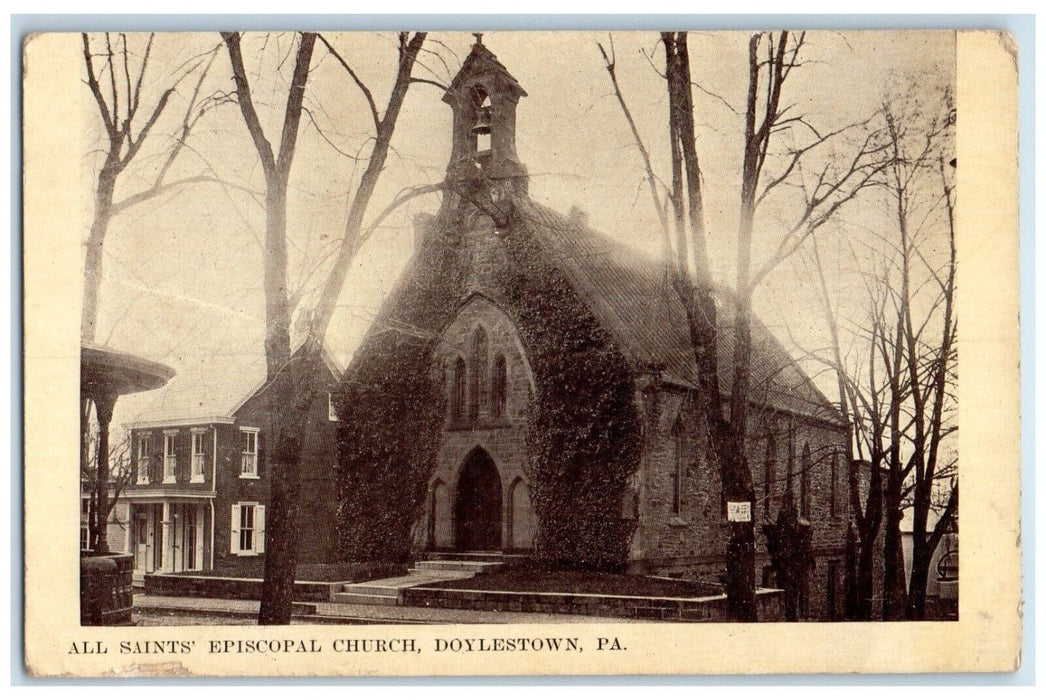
(739, 511)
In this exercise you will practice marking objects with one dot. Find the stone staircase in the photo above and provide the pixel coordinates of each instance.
(433, 568)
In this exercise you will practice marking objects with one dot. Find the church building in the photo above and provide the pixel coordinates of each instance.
(529, 387)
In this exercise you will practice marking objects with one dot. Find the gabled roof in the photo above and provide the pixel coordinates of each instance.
(481, 64)
(210, 388)
(630, 295)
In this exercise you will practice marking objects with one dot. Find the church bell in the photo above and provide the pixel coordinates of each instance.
(482, 125)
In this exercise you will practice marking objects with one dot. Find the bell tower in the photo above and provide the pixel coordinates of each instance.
(483, 160)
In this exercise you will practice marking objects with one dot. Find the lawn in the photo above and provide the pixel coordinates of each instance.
(528, 580)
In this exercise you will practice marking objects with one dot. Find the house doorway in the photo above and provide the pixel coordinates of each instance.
(477, 507)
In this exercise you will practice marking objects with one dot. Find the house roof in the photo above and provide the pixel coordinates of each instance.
(208, 388)
(630, 295)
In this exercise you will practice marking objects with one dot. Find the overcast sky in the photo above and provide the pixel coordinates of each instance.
(183, 273)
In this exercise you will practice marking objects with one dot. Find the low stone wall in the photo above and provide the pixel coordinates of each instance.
(705, 609)
(250, 587)
(230, 588)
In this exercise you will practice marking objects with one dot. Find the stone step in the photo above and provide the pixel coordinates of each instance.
(365, 599)
(367, 589)
(466, 556)
(474, 567)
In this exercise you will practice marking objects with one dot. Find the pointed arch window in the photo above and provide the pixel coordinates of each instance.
(457, 390)
(804, 483)
(478, 373)
(676, 467)
(498, 387)
(833, 489)
(769, 473)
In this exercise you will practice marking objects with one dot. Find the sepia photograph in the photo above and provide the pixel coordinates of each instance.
(579, 329)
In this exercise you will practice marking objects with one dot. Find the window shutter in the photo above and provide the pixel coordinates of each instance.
(235, 539)
(259, 529)
(259, 455)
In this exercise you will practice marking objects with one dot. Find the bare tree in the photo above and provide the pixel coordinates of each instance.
(918, 137)
(865, 452)
(898, 391)
(837, 181)
(128, 125)
(294, 381)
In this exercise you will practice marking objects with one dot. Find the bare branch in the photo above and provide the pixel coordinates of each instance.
(359, 83)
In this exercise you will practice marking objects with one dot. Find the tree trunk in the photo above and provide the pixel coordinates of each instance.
(917, 582)
(93, 261)
(696, 296)
(865, 579)
(894, 598)
(277, 306)
(290, 398)
(737, 486)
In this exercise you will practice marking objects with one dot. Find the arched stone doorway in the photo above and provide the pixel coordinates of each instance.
(477, 508)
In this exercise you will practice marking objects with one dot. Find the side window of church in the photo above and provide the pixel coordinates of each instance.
(457, 391)
(498, 387)
(804, 484)
(834, 488)
(770, 467)
(676, 468)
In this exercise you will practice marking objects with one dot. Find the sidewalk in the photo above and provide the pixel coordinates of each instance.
(347, 613)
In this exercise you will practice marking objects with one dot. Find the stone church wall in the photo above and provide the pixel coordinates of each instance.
(692, 541)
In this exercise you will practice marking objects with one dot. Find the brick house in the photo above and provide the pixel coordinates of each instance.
(481, 494)
(201, 480)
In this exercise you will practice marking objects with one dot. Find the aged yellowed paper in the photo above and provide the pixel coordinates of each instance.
(532, 329)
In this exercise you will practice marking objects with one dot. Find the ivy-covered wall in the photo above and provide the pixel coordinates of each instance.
(392, 409)
(584, 437)
(583, 433)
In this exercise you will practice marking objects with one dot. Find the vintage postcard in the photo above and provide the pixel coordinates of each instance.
(506, 353)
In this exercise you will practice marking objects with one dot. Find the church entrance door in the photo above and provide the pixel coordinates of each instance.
(477, 512)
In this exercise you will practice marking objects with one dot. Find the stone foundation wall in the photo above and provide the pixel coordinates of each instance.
(228, 588)
(707, 609)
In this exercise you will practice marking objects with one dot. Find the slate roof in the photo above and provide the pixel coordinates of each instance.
(629, 294)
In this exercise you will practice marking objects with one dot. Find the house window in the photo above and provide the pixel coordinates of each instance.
(479, 372)
(248, 529)
(170, 458)
(676, 467)
(143, 459)
(497, 392)
(457, 395)
(249, 453)
(332, 413)
(85, 524)
(804, 484)
(197, 456)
